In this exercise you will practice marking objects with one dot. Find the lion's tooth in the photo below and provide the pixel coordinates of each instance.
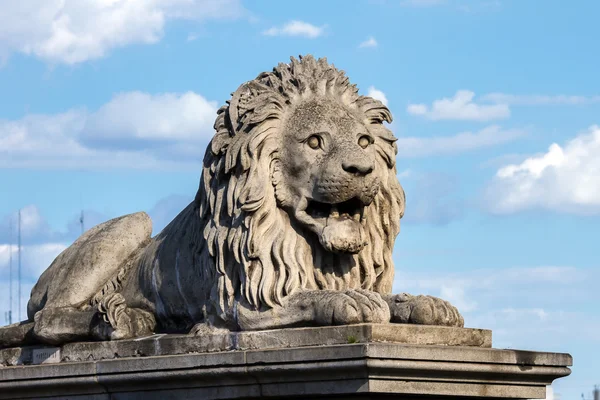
(356, 216)
(334, 212)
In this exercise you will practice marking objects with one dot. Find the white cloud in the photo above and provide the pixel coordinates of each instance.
(296, 28)
(481, 281)
(462, 142)
(417, 109)
(40, 135)
(34, 228)
(133, 130)
(533, 100)
(550, 394)
(163, 117)
(457, 297)
(519, 305)
(34, 259)
(74, 31)
(30, 219)
(370, 42)
(377, 94)
(460, 107)
(565, 178)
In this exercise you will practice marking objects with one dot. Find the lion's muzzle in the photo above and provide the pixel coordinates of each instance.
(340, 225)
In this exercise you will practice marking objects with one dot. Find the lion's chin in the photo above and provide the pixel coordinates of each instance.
(343, 235)
(339, 226)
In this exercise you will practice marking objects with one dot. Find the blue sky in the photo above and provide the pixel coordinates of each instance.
(107, 105)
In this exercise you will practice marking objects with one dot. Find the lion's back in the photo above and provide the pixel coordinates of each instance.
(93, 259)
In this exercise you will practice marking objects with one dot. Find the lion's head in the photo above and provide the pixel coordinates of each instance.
(299, 188)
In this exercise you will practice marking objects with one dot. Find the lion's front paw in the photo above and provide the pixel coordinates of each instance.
(424, 310)
(133, 322)
(351, 307)
(122, 322)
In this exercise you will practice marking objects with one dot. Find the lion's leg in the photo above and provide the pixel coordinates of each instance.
(63, 324)
(92, 261)
(114, 321)
(118, 321)
(317, 308)
(423, 310)
(60, 304)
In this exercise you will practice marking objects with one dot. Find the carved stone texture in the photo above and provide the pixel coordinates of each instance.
(363, 361)
(293, 224)
(223, 340)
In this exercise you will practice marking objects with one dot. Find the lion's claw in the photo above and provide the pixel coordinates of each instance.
(351, 307)
(423, 310)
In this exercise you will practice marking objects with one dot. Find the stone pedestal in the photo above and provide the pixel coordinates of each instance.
(361, 361)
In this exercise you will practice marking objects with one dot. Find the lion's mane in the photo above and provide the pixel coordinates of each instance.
(248, 247)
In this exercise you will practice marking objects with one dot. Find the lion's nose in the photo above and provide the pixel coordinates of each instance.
(358, 166)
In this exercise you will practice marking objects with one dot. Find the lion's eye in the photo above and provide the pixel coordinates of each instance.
(314, 142)
(364, 141)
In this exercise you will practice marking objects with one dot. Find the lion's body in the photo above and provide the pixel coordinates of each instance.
(293, 223)
(207, 261)
(168, 278)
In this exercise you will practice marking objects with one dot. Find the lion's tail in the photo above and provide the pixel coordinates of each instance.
(17, 334)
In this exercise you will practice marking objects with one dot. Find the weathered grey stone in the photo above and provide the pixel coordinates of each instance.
(159, 345)
(371, 368)
(17, 334)
(365, 333)
(293, 224)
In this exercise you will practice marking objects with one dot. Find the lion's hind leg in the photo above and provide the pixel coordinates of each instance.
(112, 320)
(57, 325)
(94, 259)
(122, 322)
(62, 307)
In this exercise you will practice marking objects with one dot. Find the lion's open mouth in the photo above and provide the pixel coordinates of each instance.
(353, 208)
(339, 226)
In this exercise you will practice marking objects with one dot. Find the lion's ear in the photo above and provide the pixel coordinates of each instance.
(248, 97)
(220, 141)
(234, 104)
(227, 122)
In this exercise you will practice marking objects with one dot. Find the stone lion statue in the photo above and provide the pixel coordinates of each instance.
(293, 224)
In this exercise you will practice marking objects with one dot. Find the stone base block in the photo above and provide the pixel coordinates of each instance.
(360, 361)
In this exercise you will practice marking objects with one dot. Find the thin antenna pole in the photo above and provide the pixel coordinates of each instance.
(10, 279)
(81, 222)
(19, 244)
